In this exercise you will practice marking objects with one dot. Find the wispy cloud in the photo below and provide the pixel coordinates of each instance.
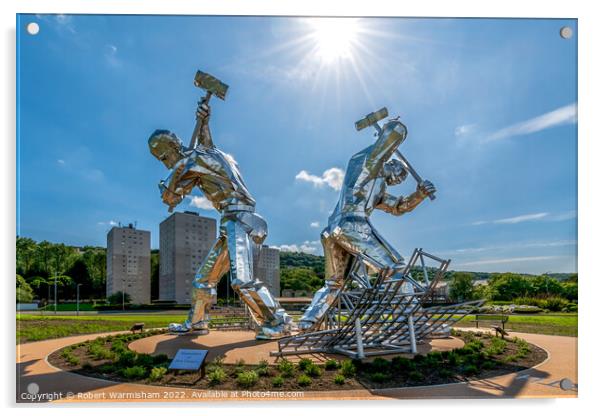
(464, 130)
(515, 220)
(507, 260)
(514, 245)
(309, 247)
(200, 202)
(60, 161)
(539, 216)
(315, 224)
(112, 223)
(558, 117)
(110, 53)
(332, 177)
(62, 22)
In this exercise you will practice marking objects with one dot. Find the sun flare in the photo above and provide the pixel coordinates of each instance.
(335, 38)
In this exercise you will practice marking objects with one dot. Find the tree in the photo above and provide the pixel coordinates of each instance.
(118, 298)
(26, 248)
(461, 287)
(508, 286)
(24, 291)
(545, 286)
(154, 274)
(300, 278)
(96, 263)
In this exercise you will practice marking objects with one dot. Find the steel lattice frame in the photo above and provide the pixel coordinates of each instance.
(374, 316)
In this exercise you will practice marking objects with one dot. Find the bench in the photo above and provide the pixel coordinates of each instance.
(138, 326)
(493, 319)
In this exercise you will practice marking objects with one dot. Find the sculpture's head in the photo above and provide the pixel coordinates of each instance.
(166, 147)
(394, 172)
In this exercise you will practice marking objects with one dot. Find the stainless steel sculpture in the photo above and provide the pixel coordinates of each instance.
(371, 304)
(217, 175)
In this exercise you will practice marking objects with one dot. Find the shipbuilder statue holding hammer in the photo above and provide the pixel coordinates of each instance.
(217, 175)
(349, 232)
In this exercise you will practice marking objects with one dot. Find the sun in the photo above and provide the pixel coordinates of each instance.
(335, 38)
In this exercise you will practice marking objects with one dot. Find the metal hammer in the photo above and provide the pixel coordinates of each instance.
(372, 119)
(212, 86)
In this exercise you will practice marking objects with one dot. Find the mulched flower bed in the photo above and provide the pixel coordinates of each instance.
(483, 356)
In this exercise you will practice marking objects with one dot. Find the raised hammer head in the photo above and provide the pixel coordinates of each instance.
(371, 119)
(210, 84)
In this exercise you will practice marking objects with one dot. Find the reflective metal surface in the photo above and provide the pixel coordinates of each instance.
(218, 176)
(349, 232)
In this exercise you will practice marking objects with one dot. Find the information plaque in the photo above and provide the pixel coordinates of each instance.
(187, 359)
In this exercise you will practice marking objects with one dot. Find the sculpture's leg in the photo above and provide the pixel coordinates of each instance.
(265, 310)
(204, 288)
(352, 236)
(336, 259)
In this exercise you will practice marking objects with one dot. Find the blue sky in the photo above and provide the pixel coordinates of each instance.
(490, 106)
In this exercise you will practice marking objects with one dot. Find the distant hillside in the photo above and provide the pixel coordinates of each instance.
(316, 263)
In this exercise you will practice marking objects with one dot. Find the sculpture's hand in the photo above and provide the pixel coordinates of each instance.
(203, 111)
(169, 197)
(426, 188)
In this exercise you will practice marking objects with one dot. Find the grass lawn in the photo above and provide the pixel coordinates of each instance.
(550, 324)
(37, 328)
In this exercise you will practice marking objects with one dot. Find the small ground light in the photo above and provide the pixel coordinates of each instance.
(33, 28)
(566, 32)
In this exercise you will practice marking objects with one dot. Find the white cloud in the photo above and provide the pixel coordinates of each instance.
(521, 245)
(309, 247)
(540, 216)
(332, 177)
(314, 224)
(507, 260)
(60, 161)
(200, 202)
(558, 117)
(110, 53)
(112, 223)
(464, 130)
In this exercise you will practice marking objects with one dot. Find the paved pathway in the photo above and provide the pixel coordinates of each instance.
(38, 381)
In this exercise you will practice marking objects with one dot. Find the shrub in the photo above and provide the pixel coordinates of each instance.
(415, 376)
(303, 380)
(263, 368)
(87, 366)
(555, 304)
(277, 381)
(286, 368)
(379, 377)
(339, 379)
(470, 370)
(347, 368)
(380, 365)
(488, 365)
(157, 373)
(402, 364)
(216, 376)
(73, 360)
(144, 360)
(99, 352)
(107, 368)
(313, 370)
(475, 345)
(247, 378)
(304, 363)
(496, 347)
(126, 358)
(453, 359)
(445, 373)
(331, 365)
(160, 359)
(135, 372)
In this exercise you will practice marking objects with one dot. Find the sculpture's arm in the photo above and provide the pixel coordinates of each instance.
(178, 183)
(203, 113)
(401, 205)
(389, 139)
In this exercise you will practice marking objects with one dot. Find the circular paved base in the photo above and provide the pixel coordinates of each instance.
(237, 345)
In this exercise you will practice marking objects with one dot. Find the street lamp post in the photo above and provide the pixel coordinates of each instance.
(55, 292)
(78, 285)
